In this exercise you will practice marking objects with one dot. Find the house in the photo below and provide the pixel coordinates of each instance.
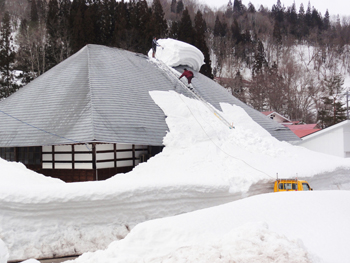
(297, 128)
(334, 140)
(277, 117)
(91, 116)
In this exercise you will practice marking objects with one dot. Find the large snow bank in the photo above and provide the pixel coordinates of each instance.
(203, 164)
(277, 227)
(175, 53)
(13, 173)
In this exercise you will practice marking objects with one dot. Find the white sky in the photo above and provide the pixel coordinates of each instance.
(341, 7)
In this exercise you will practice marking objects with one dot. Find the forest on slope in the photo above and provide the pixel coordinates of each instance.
(281, 59)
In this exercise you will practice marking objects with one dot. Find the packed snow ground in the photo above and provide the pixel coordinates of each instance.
(293, 227)
(204, 164)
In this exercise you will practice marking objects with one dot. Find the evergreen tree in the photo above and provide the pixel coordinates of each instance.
(302, 29)
(277, 36)
(173, 6)
(7, 59)
(76, 24)
(78, 37)
(200, 28)
(2, 6)
(159, 24)
(236, 35)
(251, 9)
(316, 20)
(237, 87)
(293, 20)
(237, 7)
(278, 12)
(53, 39)
(174, 30)
(260, 60)
(220, 28)
(229, 9)
(332, 110)
(180, 7)
(107, 21)
(186, 31)
(89, 26)
(144, 26)
(121, 25)
(326, 20)
(34, 17)
(63, 29)
(308, 18)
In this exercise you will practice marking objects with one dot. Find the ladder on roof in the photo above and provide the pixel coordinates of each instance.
(195, 94)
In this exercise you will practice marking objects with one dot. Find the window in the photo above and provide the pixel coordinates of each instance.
(8, 153)
(306, 187)
(25, 155)
(294, 186)
(288, 186)
(280, 186)
(29, 155)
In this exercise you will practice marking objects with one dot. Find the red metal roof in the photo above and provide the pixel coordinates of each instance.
(303, 129)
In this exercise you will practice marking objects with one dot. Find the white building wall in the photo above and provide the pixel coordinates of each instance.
(63, 156)
(334, 140)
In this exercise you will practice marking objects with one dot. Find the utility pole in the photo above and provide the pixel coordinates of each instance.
(347, 103)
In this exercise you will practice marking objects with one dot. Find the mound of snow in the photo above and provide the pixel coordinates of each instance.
(175, 53)
(204, 164)
(277, 227)
(13, 173)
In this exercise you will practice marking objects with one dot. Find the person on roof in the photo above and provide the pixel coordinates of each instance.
(154, 46)
(188, 74)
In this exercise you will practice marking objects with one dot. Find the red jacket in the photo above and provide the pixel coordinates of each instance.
(188, 74)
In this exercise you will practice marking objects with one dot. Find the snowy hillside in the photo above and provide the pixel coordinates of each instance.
(293, 81)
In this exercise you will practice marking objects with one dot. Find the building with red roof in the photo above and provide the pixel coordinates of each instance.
(300, 130)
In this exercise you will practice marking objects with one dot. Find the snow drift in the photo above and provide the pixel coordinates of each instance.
(278, 227)
(203, 164)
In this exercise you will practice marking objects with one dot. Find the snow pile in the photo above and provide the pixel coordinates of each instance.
(201, 149)
(204, 164)
(276, 227)
(175, 53)
(16, 173)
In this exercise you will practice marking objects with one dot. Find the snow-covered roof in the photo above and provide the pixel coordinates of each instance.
(101, 94)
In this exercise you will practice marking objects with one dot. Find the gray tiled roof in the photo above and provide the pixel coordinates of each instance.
(102, 94)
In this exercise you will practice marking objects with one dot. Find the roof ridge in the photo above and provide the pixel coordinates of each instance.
(91, 92)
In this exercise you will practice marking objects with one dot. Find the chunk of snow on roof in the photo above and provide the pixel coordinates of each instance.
(175, 53)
